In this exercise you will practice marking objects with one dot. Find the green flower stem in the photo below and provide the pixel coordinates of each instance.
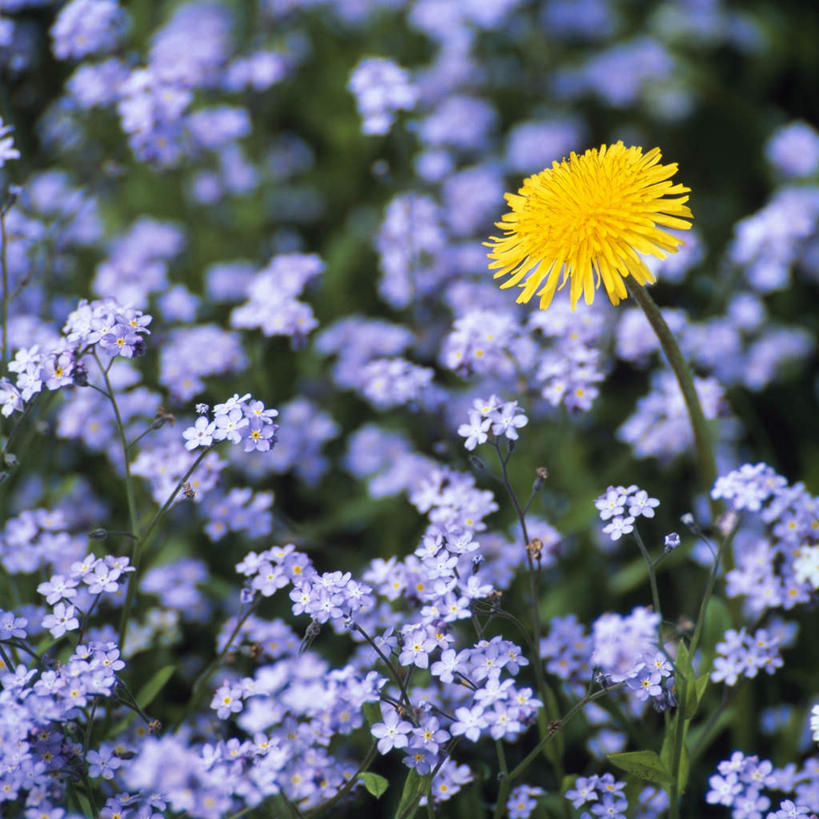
(544, 692)
(6, 295)
(129, 484)
(652, 575)
(399, 679)
(348, 785)
(139, 541)
(680, 730)
(129, 493)
(699, 426)
(507, 780)
(724, 549)
(207, 673)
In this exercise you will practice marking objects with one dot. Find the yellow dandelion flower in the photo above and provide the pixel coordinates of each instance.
(588, 219)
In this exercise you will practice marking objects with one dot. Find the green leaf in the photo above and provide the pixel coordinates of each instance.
(701, 686)
(151, 688)
(372, 712)
(717, 622)
(667, 752)
(645, 765)
(629, 577)
(375, 784)
(414, 786)
(686, 687)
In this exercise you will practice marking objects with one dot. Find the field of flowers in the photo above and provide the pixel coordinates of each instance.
(409, 408)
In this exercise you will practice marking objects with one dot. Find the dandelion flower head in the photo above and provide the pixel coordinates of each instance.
(586, 220)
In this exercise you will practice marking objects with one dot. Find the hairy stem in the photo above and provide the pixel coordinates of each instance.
(699, 426)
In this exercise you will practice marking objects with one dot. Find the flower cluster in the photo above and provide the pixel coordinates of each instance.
(492, 416)
(773, 566)
(604, 793)
(744, 655)
(100, 575)
(381, 88)
(615, 502)
(273, 303)
(742, 780)
(522, 801)
(98, 325)
(238, 420)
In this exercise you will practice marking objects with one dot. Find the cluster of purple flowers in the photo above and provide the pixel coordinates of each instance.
(620, 506)
(522, 801)
(381, 87)
(99, 325)
(659, 427)
(773, 562)
(604, 793)
(239, 420)
(741, 780)
(744, 655)
(492, 416)
(273, 297)
(100, 575)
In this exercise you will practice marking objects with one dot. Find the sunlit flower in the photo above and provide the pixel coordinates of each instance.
(589, 218)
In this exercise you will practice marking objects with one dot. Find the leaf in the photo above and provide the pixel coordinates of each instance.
(629, 577)
(686, 687)
(375, 784)
(372, 712)
(151, 688)
(414, 785)
(645, 765)
(701, 686)
(717, 622)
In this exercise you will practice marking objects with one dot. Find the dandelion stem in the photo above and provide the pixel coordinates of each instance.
(699, 426)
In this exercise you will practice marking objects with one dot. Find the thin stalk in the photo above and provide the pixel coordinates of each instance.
(709, 586)
(699, 426)
(705, 737)
(172, 497)
(207, 673)
(544, 692)
(129, 486)
(6, 295)
(139, 541)
(506, 781)
(348, 785)
(652, 576)
(399, 680)
(680, 727)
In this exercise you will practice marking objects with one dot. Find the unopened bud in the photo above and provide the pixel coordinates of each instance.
(726, 522)
(476, 462)
(671, 541)
(98, 534)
